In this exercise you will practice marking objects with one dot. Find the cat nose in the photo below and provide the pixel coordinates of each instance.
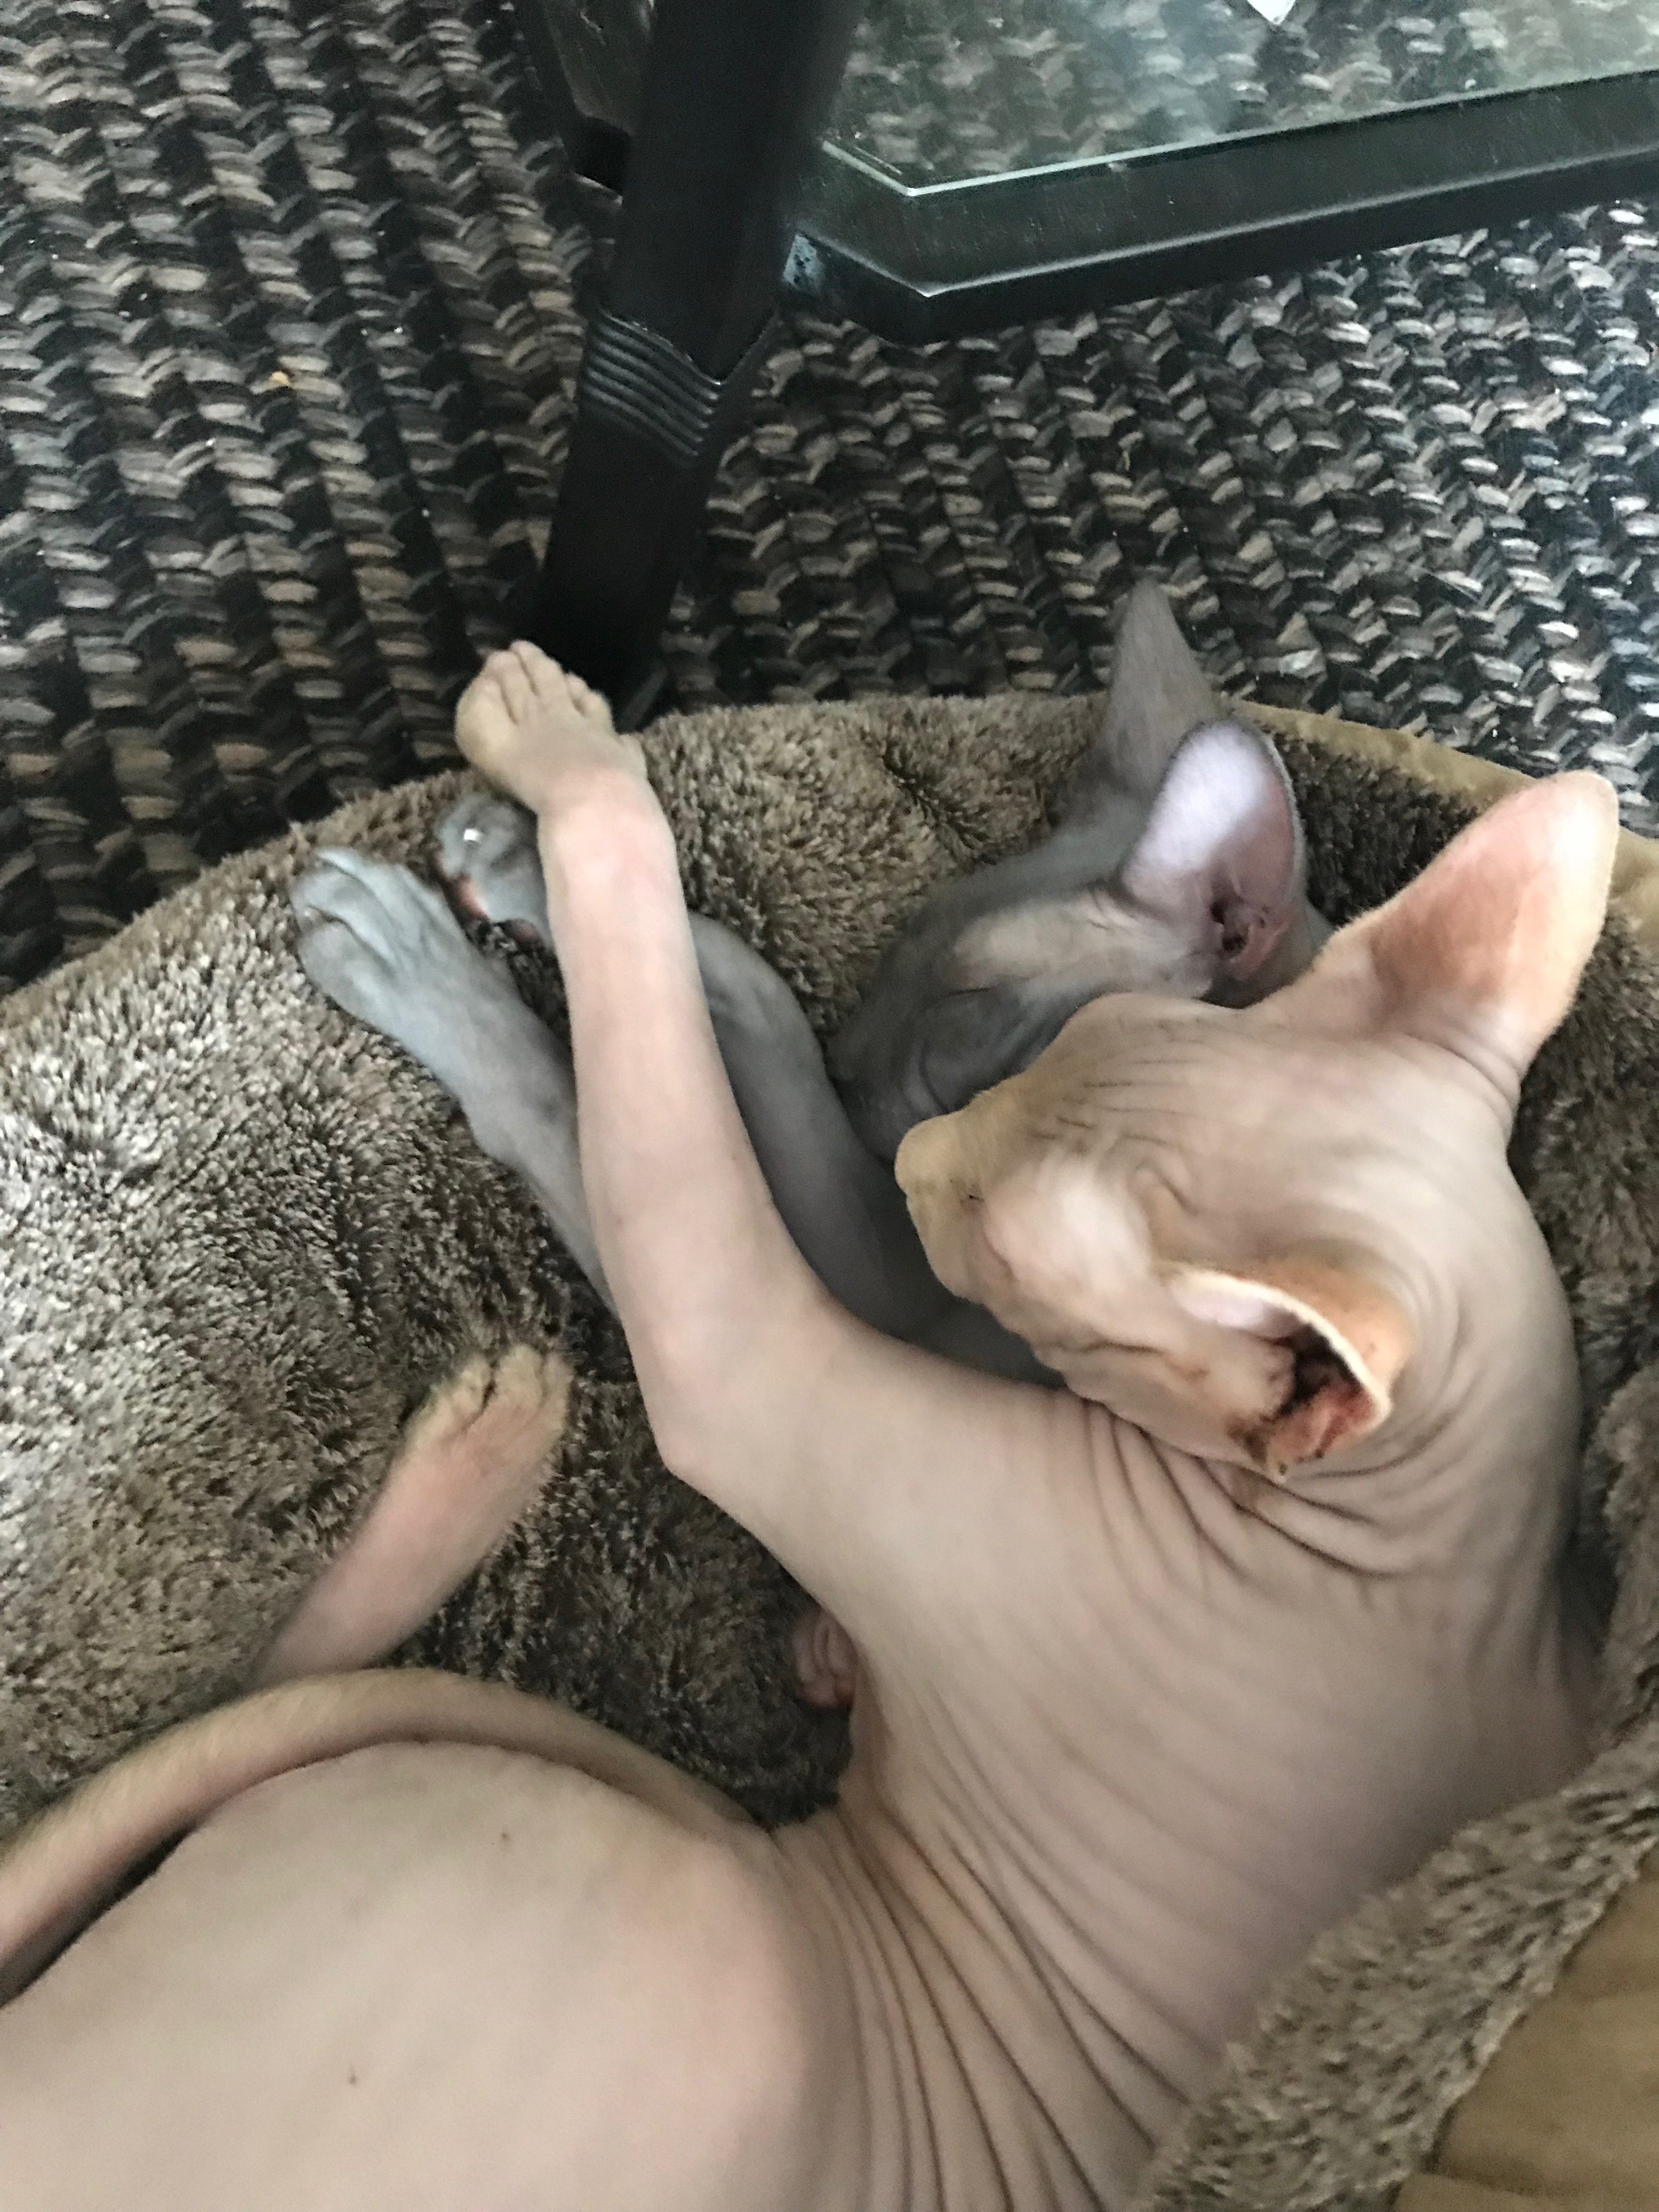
(924, 1160)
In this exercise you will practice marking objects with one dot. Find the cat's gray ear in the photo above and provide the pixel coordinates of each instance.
(1221, 857)
(1157, 694)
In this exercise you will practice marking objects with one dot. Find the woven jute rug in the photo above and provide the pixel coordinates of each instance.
(292, 296)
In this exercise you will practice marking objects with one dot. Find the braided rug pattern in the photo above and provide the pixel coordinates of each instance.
(292, 296)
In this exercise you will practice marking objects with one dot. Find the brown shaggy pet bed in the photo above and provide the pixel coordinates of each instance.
(243, 1240)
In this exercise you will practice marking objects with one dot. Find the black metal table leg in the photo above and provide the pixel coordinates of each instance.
(735, 92)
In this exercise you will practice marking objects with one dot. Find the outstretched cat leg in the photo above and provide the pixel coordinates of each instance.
(841, 1205)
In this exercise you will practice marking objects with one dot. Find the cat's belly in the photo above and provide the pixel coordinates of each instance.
(417, 1976)
(424, 1976)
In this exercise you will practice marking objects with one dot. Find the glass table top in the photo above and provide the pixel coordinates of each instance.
(989, 160)
(941, 91)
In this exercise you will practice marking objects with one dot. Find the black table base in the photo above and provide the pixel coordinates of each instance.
(734, 96)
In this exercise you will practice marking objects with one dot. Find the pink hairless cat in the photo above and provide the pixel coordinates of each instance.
(1158, 1677)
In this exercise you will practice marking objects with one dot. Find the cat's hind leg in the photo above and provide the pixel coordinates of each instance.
(472, 1459)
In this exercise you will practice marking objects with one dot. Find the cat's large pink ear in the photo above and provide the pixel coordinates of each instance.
(1343, 1342)
(1484, 951)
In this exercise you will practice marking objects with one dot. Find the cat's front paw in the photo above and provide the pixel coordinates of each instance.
(385, 947)
(538, 732)
(488, 856)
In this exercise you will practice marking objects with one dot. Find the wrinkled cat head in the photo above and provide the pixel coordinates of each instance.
(1178, 867)
(1227, 1224)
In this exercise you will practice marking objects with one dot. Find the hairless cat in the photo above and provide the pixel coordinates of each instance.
(1160, 1672)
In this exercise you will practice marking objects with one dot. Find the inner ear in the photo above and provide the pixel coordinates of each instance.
(1326, 1406)
(1221, 852)
(1347, 1339)
(1485, 949)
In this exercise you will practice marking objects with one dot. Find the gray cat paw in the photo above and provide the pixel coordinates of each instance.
(487, 854)
(385, 948)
